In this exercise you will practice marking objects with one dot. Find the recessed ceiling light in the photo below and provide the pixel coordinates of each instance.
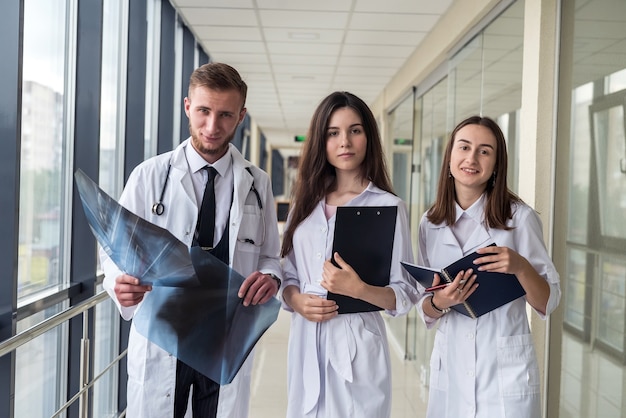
(304, 36)
(302, 77)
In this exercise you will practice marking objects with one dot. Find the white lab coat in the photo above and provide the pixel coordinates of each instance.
(151, 370)
(341, 368)
(487, 367)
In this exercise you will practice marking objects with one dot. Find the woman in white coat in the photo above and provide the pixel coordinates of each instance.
(215, 106)
(338, 365)
(485, 367)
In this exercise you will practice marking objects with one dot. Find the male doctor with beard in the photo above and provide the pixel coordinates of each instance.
(245, 237)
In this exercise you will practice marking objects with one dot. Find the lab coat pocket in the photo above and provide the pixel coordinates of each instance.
(518, 371)
(438, 371)
(251, 234)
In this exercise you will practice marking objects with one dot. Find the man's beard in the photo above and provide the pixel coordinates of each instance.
(202, 150)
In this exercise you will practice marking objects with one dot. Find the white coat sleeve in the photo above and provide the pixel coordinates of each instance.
(269, 260)
(528, 235)
(422, 260)
(400, 280)
(290, 271)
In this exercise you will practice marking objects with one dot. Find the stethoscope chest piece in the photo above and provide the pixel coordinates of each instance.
(158, 208)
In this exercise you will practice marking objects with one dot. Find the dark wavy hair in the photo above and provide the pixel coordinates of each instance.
(316, 176)
(499, 198)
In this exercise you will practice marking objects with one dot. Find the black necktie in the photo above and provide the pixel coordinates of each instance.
(206, 217)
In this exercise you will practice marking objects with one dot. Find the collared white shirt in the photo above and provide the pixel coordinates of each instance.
(223, 185)
(467, 221)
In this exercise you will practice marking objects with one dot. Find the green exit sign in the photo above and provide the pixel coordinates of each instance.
(402, 141)
(300, 138)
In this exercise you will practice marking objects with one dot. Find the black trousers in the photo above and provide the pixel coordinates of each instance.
(205, 393)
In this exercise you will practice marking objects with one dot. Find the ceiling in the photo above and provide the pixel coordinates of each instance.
(292, 53)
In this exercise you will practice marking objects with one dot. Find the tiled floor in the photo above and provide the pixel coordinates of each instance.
(269, 385)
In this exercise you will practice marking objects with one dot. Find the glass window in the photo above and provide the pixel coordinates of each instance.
(574, 293)
(112, 110)
(502, 50)
(153, 52)
(612, 303)
(485, 79)
(112, 114)
(465, 78)
(401, 143)
(592, 99)
(401, 134)
(580, 165)
(106, 349)
(41, 366)
(433, 136)
(40, 363)
(610, 152)
(431, 133)
(43, 144)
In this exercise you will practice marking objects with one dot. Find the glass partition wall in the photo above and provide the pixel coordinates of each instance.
(483, 76)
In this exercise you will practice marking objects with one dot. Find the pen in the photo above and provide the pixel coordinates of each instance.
(441, 286)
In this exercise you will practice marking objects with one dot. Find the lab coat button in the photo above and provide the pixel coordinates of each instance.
(470, 336)
(470, 373)
(319, 255)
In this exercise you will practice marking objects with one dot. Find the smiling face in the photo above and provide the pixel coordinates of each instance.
(473, 159)
(213, 119)
(346, 142)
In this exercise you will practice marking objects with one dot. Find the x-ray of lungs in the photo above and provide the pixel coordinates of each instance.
(138, 247)
(193, 311)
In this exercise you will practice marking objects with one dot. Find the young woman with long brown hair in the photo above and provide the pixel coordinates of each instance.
(339, 364)
(484, 367)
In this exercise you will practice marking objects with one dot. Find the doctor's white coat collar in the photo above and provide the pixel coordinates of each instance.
(475, 212)
(479, 238)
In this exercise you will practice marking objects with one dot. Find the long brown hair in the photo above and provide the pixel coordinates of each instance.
(316, 176)
(499, 198)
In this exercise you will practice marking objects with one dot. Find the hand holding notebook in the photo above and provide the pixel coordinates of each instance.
(494, 290)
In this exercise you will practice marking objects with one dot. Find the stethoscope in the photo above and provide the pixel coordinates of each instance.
(158, 207)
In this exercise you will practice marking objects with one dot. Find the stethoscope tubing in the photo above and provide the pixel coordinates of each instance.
(158, 208)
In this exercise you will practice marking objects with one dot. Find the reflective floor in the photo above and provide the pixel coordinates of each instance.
(269, 385)
(593, 384)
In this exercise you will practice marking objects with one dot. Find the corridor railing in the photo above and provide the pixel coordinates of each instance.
(35, 331)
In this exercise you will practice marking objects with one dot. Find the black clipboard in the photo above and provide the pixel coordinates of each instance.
(364, 239)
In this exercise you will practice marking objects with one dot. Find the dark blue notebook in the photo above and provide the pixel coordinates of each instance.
(495, 289)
